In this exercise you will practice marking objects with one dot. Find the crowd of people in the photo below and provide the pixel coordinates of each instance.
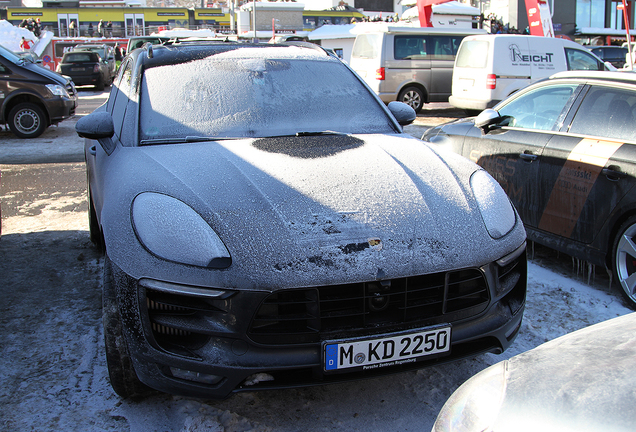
(33, 25)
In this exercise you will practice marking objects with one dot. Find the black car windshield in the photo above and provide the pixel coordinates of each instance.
(235, 97)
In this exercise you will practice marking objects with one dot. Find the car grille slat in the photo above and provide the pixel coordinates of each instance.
(414, 300)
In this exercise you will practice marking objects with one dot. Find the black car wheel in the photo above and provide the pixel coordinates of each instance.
(27, 120)
(412, 96)
(122, 374)
(100, 84)
(625, 260)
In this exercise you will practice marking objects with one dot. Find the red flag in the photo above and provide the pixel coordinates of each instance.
(425, 10)
(534, 18)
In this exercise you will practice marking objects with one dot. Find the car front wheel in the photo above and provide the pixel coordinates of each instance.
(121, 371)
(27, 120)
(412, 96)
(625, 260)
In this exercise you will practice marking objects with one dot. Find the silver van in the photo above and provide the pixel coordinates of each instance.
(409, 64)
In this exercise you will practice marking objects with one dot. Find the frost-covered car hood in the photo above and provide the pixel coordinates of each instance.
(336, 209)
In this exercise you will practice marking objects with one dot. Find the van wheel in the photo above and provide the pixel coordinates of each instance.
(412, 96)
(27, 120)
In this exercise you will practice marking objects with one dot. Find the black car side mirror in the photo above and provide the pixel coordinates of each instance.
(98, 126)
(403, 113)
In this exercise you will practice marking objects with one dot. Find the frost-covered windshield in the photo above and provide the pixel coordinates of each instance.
(255, 97)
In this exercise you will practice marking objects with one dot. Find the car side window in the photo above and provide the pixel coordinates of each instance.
(123, 92)
(539, 109)
(409, 47)
(607, 112)
(580, 60)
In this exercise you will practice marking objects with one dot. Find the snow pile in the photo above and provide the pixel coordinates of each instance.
(10, 36)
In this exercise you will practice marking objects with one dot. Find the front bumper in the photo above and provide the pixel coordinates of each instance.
(211, 347)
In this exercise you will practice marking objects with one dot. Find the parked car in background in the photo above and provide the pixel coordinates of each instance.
(581, 382)
(616, 55)
(489, 68)
(106, 53)
(564, 149)
(408, 64)
(267, 224)
(32, 97)
(85, 68)
(139, 41)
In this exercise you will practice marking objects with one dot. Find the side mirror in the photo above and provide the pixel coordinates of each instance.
(486, 118)
(403, 113)
(98, 126)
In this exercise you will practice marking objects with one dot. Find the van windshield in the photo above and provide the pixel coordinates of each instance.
(472, 54)
(367, 46)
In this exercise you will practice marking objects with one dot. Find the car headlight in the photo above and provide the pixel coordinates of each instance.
(496, 209)
(475, 405)
(57, 90)
(172, 230)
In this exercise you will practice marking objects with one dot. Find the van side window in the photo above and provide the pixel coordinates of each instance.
(607, 112)
(444, 47)
(579, 60)
(409, 47)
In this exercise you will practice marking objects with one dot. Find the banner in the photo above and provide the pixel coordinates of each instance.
(425, 10)
(539, 18)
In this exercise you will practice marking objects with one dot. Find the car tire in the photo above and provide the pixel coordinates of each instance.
(624, 260)
(97, 237)
(27, 120)
(121, 371)
(412, 96)
(100, 84)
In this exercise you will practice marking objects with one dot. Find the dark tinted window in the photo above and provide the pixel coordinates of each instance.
(228, 95)
(79, 57)
(539, 109)
(608, 113)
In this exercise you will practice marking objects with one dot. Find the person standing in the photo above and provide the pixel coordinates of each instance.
(91, 30)
(109, 29)
(71, 29)
(25, 44)
(100, 28)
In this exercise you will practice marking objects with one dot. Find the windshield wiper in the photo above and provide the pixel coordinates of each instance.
(316, 133)
(188, 139)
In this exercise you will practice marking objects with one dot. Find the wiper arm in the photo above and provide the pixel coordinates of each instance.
(327, 132)
(187, 139)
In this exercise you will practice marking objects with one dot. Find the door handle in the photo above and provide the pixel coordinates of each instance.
(613, 173)
(529, 157)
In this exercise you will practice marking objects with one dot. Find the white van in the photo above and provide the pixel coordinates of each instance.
(409, 64)
(489, 68)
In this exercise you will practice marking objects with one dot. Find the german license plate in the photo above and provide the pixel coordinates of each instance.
(386, 351)
(77, 69)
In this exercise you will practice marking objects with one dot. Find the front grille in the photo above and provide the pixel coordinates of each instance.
(307, 315)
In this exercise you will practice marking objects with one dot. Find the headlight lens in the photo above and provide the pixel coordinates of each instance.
(475, 405)
(496, 209)
(172, 230)
(57, 90)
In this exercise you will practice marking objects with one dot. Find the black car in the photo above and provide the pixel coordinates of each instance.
(614, 54)
(32, 97)
(107, 55)
(267, 224)
(85, 68)
(564, 150)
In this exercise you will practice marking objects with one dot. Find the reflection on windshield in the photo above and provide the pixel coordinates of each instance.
(256, 97)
